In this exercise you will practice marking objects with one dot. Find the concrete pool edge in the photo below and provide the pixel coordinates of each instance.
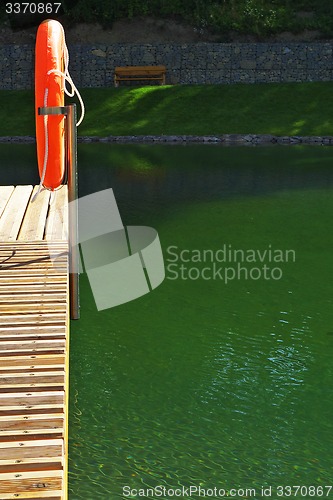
(226, 139)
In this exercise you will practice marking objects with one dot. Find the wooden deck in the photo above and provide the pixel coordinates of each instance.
(34, 344)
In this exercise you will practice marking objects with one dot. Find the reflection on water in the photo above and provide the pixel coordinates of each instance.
(200, 172)
(199, 382)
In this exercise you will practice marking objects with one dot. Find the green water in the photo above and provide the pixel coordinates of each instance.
(200, 382)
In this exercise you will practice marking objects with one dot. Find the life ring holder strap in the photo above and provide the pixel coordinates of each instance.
(52, 110)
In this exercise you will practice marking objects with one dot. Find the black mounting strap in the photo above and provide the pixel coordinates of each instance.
(53, 110)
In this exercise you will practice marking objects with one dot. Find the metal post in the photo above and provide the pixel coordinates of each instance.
(72, 180)
(74, 256)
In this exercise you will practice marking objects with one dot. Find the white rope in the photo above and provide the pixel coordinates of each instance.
(71, 93)
(46, 132)
(67, 78)
(46, 151)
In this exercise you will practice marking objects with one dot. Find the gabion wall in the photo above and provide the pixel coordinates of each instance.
(200, 63)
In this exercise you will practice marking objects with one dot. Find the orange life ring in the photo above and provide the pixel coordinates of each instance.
(49, 91)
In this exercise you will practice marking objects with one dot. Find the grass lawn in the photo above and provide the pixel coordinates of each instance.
(280, 109)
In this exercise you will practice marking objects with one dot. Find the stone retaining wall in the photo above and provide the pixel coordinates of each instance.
(200, 63)
(223, 140)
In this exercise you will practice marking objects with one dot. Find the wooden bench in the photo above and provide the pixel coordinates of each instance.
(134, 73)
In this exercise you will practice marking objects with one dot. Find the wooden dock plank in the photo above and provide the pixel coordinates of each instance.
(50, 495)
(26, 433)
(32, 361)
(56, 227)
(12, 216)
(47, 295)
(45, 460)
(32, 344)
(41, 446)
(33, 225)
(37, 306)
(30, 484)
(5, 194)
(29, 475)
(46, 376)
(30, 464)
(31, 398)
(31, 409)
(28, 422)
(32, 496)
(26, 333)
(30, 332)
(32, 387)
(31, 319)
(32, 291)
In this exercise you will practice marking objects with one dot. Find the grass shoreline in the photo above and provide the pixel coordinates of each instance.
(285, 109)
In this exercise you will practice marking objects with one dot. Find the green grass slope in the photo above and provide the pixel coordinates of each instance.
(280, 109)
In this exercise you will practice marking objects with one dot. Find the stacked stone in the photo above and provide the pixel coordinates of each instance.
(16, 63)
(224, 140)
(189, 63)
